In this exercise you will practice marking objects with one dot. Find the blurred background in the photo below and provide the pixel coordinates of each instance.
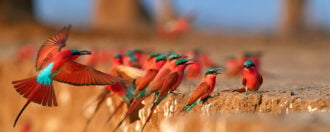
(292, 35)
(222, 16)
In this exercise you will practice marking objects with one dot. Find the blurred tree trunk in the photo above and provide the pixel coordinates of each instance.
(117, 15)
(292, 19)
(16, 10)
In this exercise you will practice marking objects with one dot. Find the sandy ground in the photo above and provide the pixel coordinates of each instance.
(295, 70)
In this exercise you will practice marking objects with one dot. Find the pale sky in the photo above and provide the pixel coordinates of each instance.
(222, 15)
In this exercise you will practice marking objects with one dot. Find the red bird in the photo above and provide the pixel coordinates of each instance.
(25, 52)
(194, 70)
(175, 27)
(148, 62)
(119, 89)
(151, 72)
(171, 83)
(203, 90)
(131, 60)
(155, 85)
(233, 67)
(170, 64)
(58, 65)
(252, 80)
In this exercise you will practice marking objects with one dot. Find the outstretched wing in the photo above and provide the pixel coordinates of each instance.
(52, 46)
(198, 92)
(77, 74)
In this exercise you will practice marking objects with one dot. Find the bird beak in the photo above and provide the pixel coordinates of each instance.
(184, 56)
(85, 52)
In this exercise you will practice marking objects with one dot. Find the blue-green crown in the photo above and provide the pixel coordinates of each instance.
(132, 58)
(173, 56)
(181, 61)
(159, 58)
(211, 71)
(154, 54)
(74, 51)
(117, 55)
(248, 63)
(137, 51)
(129, 53)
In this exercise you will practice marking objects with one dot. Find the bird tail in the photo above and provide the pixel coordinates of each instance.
(35, 92)
(240, 90)
(115, 111)
(153, 108)
(100, 99)
(132, 107)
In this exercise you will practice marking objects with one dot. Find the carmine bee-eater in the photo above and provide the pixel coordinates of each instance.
(233, 66)
(151, 72)
(203, 90)
(155, 85)
(194, 70)
(140, 56)
(143, 82)
(119, 89)
(171, 83)
(131, 60)
(252, 80)
(25, 52)
(58, 65)
(149, 60)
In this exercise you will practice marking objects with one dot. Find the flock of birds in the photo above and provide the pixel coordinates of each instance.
(134, 75)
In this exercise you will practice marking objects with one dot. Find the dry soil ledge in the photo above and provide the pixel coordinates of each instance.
(233, 111)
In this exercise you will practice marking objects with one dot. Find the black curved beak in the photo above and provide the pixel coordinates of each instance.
(85, 52)
(218, 71)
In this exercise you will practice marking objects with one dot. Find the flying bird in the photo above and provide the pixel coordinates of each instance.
(55, 64)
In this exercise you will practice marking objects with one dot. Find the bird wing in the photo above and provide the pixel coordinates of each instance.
(198, 92)
(244, 81)
(144, 81)
(168, 84)
(77, 74)
(52, 46)
(130, 72)
(260, 80)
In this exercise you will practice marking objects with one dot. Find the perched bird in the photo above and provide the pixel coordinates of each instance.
(149, 60)
(158, 81)
(207, 61)
(233, 67)
(58, 65)
(252, 80)
(25, 52)
(140, 56)
(131, 60)
(171, 83)
(203, 90)
(151, 72)
(151, 89)
(194, 70)
(120, 89)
